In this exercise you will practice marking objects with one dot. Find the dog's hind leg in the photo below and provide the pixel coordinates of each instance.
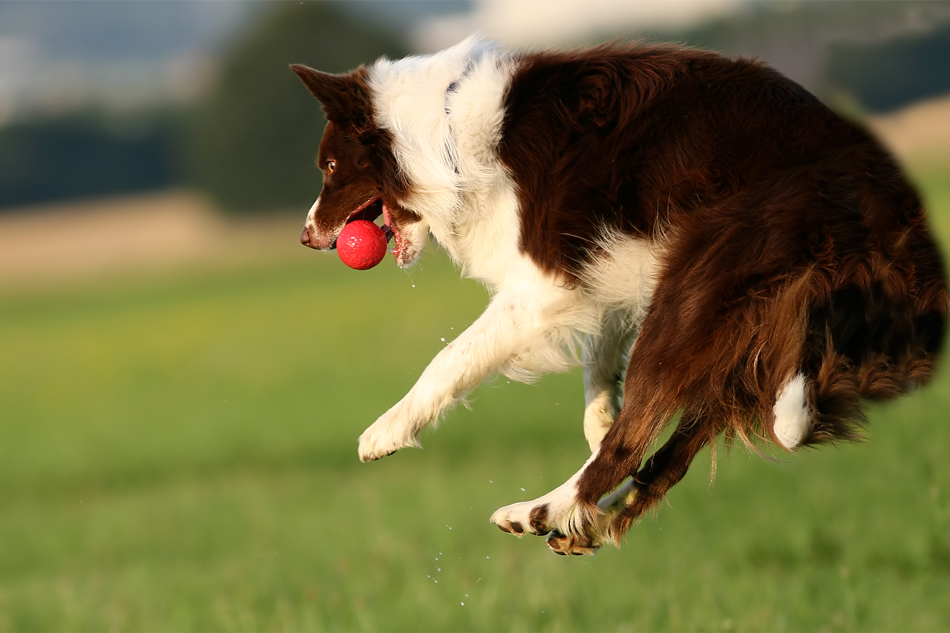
(604, 357)
(570, 513)
(664, 469)
(651, 397)
(615, 512)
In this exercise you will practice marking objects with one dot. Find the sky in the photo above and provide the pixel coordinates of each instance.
(57, 56)
(544, 22)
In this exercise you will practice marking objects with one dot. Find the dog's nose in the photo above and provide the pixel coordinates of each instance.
(305, 237)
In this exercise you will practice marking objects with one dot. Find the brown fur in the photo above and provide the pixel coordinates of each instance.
(793, 244)
(367, 166)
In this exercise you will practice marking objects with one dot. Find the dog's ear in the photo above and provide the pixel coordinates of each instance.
(345, 98)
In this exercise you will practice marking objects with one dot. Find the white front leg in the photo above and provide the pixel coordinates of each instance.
(603, 357)
(509, 326)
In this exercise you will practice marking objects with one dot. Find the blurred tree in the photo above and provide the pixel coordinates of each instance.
(86, 154)
(836, 48)
(886, 75)
(252, 143)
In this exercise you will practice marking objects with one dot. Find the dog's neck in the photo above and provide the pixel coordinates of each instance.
(447, 126)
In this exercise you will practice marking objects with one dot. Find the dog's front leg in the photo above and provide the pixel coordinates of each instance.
(510, 322)
(604, 357)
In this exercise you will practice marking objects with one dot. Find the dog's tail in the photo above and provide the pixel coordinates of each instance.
(859, 342)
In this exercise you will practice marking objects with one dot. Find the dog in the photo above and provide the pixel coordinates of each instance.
(709, 241)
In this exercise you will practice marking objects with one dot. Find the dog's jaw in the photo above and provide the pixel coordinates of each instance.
(409, 234)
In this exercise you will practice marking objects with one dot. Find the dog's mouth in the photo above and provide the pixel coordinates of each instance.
(371, 210)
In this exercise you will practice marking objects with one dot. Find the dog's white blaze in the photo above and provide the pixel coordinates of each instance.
(792, 415)
(312, 215)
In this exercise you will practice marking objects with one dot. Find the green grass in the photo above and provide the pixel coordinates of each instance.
(180, 454)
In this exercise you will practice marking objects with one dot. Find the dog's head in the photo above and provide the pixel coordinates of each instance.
(361, 178)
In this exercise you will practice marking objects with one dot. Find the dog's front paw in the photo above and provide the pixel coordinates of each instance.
(387, 435)
(521, 518)
(570, 529)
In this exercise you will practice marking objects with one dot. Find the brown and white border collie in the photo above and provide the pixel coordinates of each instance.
(723, 250)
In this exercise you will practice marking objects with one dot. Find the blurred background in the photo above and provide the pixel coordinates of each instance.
(182, 384)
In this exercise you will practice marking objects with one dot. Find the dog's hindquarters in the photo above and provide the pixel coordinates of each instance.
(790, 359)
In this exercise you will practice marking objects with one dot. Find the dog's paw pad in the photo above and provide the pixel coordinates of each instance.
(511, 527)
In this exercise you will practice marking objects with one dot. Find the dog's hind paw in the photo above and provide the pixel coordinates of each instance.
(569, 545)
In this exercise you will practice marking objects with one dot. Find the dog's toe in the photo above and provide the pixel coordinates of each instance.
(376, 443)
(369, 454)
(511, 527)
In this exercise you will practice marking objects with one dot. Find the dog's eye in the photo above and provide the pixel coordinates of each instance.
(331, 166)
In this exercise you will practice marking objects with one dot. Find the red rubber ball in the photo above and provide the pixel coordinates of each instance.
(361, 245)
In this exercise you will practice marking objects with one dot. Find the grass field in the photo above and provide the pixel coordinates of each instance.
(178, 453)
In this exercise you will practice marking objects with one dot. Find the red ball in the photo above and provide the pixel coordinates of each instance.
(361, 245)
